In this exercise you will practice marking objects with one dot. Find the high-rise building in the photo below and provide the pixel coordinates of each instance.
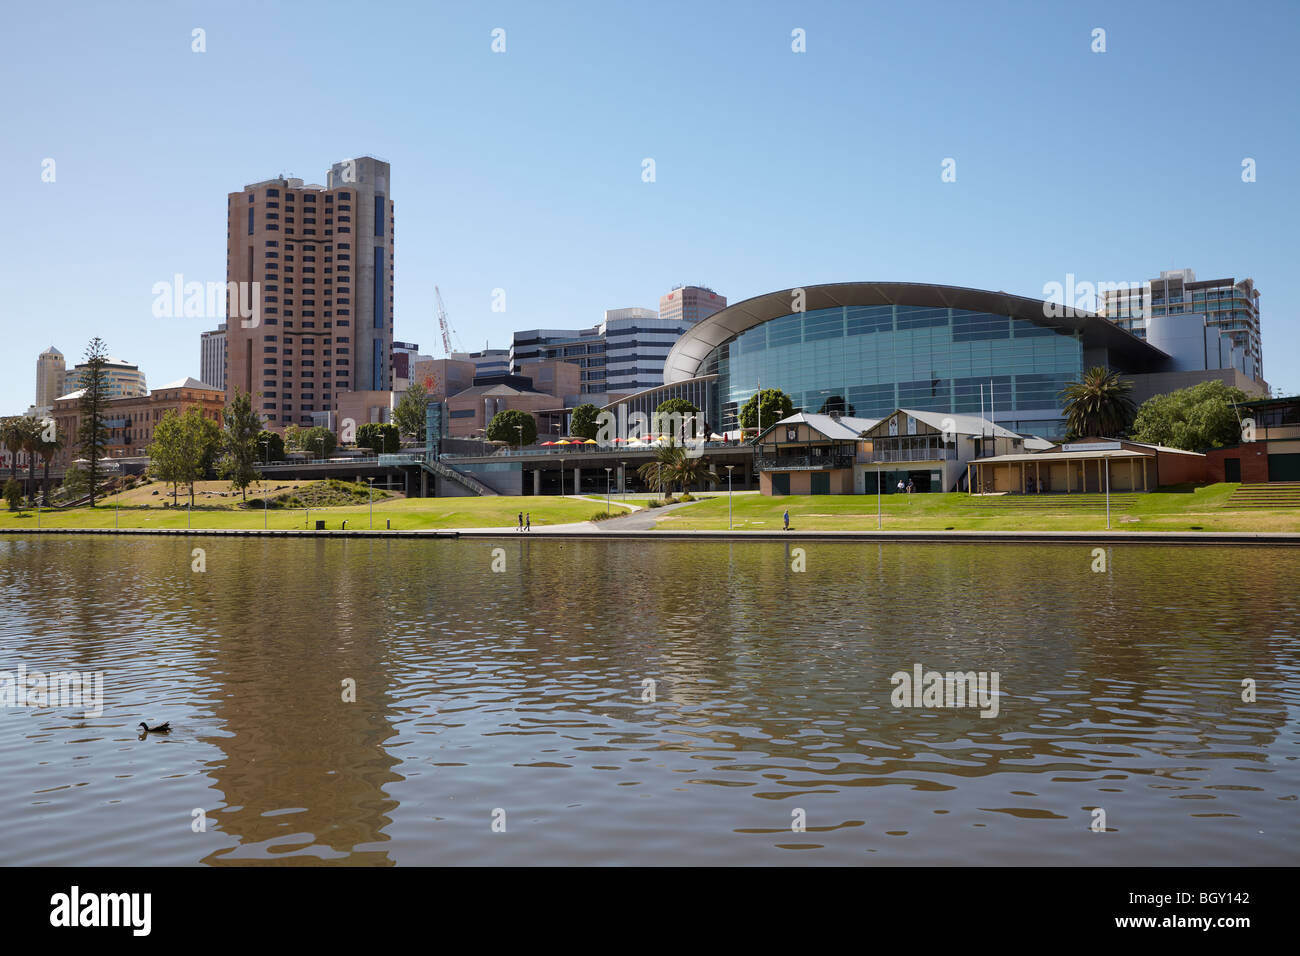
(486, 361)
(121, 379)
(50, 371)
(637, 341)
(1229, 306)
(583, 347)
(404, 357)
(212, 357)
(690, 304)
(322, 257)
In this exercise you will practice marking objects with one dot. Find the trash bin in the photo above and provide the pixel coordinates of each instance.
(320, 525)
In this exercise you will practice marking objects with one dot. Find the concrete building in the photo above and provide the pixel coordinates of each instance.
(121, 379)
(637, 341)
(486, 361)
(1270, 452)
(1226, 305)
(51, 370)
(879, 346)
(470, 411)
(443, 378)
(404, 356)
(690, 304)
(212, 357)
(583, 347)
(322, 258)
(131, 421)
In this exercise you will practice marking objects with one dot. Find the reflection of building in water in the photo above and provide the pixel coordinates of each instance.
(294, 744)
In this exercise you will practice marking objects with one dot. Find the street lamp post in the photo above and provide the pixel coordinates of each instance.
(622, 481)
(879, 524)
(372, 502)
(1106, 461)
(561, 477)
(520, 430)
(607, 474)
(729, 467)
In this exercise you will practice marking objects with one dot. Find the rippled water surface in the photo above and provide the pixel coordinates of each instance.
(521, 697)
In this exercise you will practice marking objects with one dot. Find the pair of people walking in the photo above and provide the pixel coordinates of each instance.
(525, 522)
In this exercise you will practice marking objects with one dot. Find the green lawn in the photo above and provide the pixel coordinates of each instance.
(1180, 510)
(406, 514)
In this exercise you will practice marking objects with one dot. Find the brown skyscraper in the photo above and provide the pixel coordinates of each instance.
(322, 261)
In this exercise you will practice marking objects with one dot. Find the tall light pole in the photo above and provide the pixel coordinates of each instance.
(622, 483)
(879, 524)
(1106, 461)
(520, 430)
(372, 502)
(561, 477)
(266, 444)
(608, 469)
(729, 467)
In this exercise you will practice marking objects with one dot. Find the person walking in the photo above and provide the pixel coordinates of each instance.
(786, 518)
(528, 522)
(910, 487)
(520, 525)
(901, 487)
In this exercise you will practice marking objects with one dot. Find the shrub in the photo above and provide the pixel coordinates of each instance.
(13, 493)
(652, 503)
(687, 496)
(601, 515)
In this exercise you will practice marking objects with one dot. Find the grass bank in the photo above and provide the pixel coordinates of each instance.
(1184, 509)
(139, 508)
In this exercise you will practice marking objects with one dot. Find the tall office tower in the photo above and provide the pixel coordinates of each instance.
(121, 379)
(583, 347)
(404, 357)
(50, 370)
(690, 304)
(1228, 305)
(486, 361)
(637, 341)
(322, 258)
(212, 357)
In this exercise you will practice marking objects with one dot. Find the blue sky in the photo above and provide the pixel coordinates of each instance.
(522, 170)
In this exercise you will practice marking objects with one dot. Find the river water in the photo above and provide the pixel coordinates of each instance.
(642, 702)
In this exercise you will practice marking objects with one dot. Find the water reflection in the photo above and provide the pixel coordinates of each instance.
(525, 692)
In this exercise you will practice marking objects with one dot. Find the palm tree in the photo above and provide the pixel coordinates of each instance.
(47, 450)
(660, 473)
(1097, 404)
(672, 466)
(30, 442)
(11, 436)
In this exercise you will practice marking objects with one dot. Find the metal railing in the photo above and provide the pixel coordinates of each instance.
(801, 462)
(910, 454)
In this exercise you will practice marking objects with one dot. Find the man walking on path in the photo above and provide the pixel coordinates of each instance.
(528, 522)
(520, 525)
(786, 518)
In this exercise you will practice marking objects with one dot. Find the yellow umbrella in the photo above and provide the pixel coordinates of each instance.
(590, 441)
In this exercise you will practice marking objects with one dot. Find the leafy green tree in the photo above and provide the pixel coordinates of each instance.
(76, 483)
(1202, 416)
(408, 416)
(1097, 404)
(503, 427)
(241, 425)
(380, 437)
(13, 493)
(270, 446)
(182, 449)
(93, 434)
(835, 403)
(776, 405)
(317, 440)
(583, 422)
(31, 440)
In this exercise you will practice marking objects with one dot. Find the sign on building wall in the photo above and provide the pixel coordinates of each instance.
(911, 425)
(893, 426)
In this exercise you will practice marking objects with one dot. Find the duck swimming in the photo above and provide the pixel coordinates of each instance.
(162, 728)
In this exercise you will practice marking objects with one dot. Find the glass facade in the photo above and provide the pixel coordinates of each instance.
(881, 357)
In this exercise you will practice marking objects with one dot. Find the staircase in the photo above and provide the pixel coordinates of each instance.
(1264, 496)
(452, 474)
(1055, 502)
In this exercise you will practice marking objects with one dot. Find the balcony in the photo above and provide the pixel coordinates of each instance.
(921, 453)
(802, 462)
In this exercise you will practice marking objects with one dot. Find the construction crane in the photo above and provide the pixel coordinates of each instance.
(445, 325)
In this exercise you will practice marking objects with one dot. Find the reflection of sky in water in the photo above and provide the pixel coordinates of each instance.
(523, 691)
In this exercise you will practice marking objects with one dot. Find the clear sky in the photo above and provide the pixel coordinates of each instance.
(522, 170)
